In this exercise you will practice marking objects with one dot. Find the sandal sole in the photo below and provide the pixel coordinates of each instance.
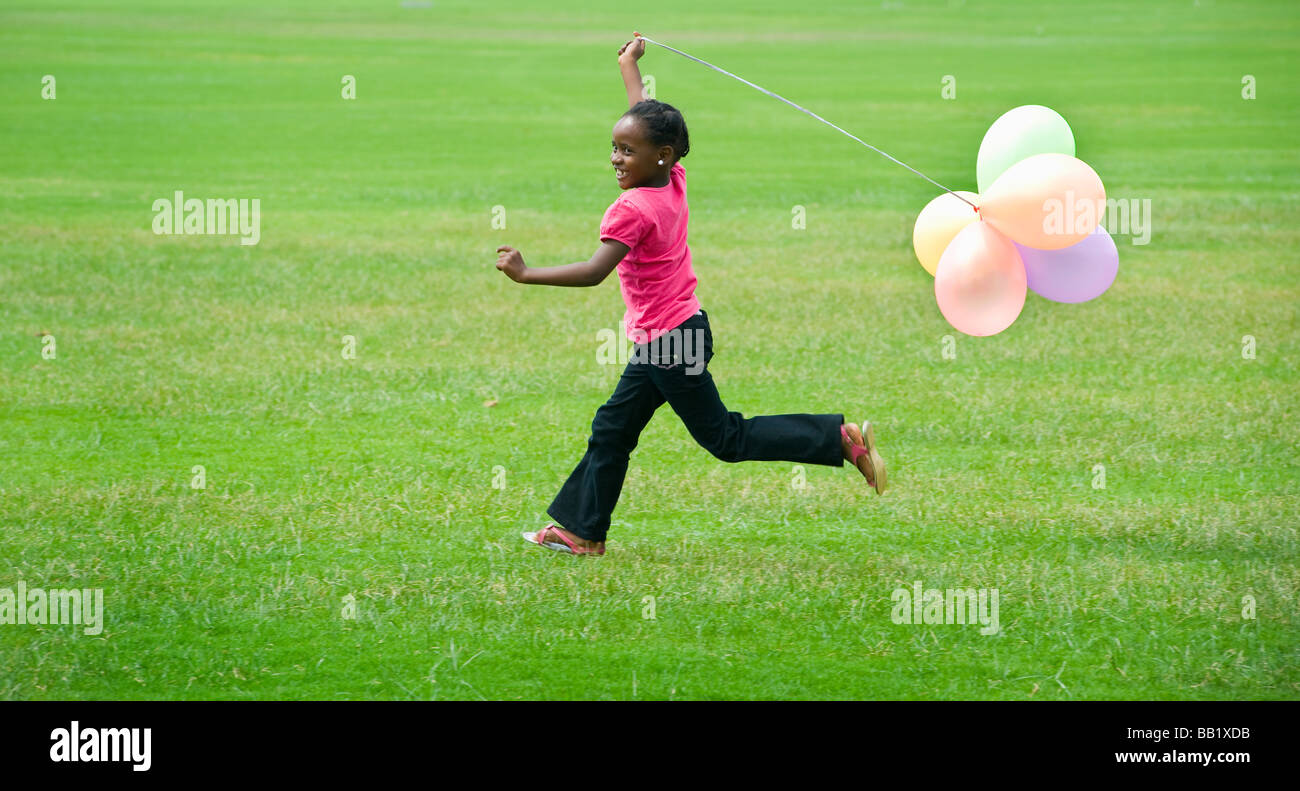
(873, 458)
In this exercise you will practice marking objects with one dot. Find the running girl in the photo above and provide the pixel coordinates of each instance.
(643, 235)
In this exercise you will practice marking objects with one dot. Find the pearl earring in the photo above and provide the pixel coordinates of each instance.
(661, 162)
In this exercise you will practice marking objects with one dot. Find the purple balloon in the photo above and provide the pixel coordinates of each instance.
(1076, 273)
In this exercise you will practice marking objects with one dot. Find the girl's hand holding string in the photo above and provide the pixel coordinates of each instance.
(627, 58)
(632, 50)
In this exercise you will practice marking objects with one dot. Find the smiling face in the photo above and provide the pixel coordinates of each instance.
(635, 159)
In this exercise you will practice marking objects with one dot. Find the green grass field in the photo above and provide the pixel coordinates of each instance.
(389, 479)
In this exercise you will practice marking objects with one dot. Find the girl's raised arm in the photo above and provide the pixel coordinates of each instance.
(627, 58)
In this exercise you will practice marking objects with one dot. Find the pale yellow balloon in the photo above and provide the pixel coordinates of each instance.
(937, 224)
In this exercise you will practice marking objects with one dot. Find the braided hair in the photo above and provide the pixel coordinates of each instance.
(663, 125)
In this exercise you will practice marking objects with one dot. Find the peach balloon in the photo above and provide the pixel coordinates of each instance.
(1047, 201)
(980, 281)
(938, 223)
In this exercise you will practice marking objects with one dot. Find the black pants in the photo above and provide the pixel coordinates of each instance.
(674, 369)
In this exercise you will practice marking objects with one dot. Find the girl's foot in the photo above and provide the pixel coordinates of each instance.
(579, 541)
(862, 452)
(554, 534)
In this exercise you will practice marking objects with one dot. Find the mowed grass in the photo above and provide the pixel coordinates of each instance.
(403, 477)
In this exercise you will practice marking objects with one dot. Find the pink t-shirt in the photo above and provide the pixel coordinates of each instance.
(656, 277)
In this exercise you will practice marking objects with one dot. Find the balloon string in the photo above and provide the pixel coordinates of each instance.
(814, 115)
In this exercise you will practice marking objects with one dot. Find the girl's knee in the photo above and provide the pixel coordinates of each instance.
(612, 437)
(721, 449)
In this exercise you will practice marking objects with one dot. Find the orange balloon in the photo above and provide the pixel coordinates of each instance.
(938, 223)
(1047, 201)
(980, 282)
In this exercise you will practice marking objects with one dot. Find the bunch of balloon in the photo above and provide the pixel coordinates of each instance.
(1035, 224)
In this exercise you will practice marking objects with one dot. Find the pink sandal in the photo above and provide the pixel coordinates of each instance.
(868, 448)
(551, 531)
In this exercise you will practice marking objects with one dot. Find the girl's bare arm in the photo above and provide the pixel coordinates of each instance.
(583, 273)
(627, 58)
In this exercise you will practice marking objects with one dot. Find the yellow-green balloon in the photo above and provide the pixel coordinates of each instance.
(1017, 135)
